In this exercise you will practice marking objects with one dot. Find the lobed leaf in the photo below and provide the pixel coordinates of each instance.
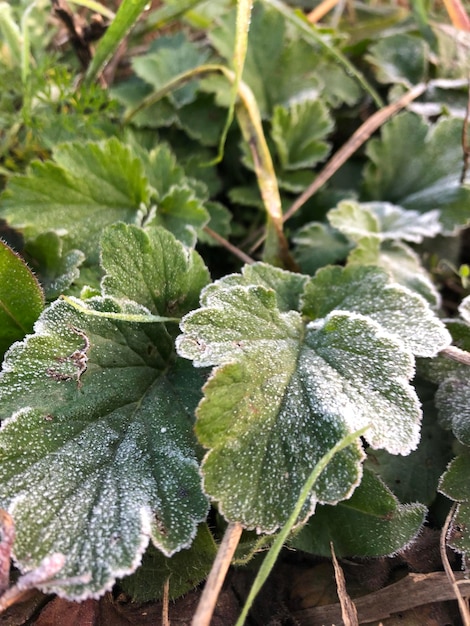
(101, 458)
(418, 167)
(89, 186)
(152, 268)
(283, 392)
(401, 263)
(98, 454)
(371, 523)
(368, 291)
(384, 220)
(299, 134)
(168, 57)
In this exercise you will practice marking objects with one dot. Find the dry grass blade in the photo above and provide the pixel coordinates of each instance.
(348, 609)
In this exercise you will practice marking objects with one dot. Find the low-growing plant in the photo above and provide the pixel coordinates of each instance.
(315, 390)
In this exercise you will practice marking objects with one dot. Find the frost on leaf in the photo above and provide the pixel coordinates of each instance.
(401, 263)
(455, 485)
(151, 268)
(97, 451)
(384, 220)
(367, 290)
(283, 392)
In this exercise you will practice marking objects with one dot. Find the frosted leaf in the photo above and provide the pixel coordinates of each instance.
(283, 393)
(455, 485)
(384, 220)
(152, 268)
(367, 290)
(89, 186)
(464, 309)
(97, 450)
(400, 262)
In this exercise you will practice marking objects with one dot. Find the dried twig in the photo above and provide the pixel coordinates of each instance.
(361, 135)
(456, 354)
(215, 580)
(463, 604)
(230, 247)
(465, 144)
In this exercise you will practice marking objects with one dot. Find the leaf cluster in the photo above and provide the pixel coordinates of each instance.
(148, 375)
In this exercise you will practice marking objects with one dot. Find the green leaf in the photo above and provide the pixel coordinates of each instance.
(21, 298)
(455, 485)
(400, 58)
(127, 15)
(317, 245)
(98, 454)
(185, 570)
(151, 268)
(219, 221)
(400, 262)
(57, 269)
(433, 182)
(168, 57)
(89, 186)
(299, 134)
(367, 290)
(371, 523)
(453, 394)
(182, 213)
(385, 220)
(283, 393)
(415, 477)
(279, 68)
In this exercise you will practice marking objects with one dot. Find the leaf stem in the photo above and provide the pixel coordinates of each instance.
(216, 577)
(146, 318)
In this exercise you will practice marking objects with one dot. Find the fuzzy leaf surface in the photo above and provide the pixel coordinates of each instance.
(97, 461)
(284, 392)
(89, 186)
(151, 268)
(418, 166)
(21, 298)
(401, 263)
(384, 220)
(455, 485)
(368, 291)
(371, 523)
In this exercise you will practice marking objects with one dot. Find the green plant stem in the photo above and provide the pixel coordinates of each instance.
(276, 250)
(127, 15)
(125, 317)
(281, 538)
